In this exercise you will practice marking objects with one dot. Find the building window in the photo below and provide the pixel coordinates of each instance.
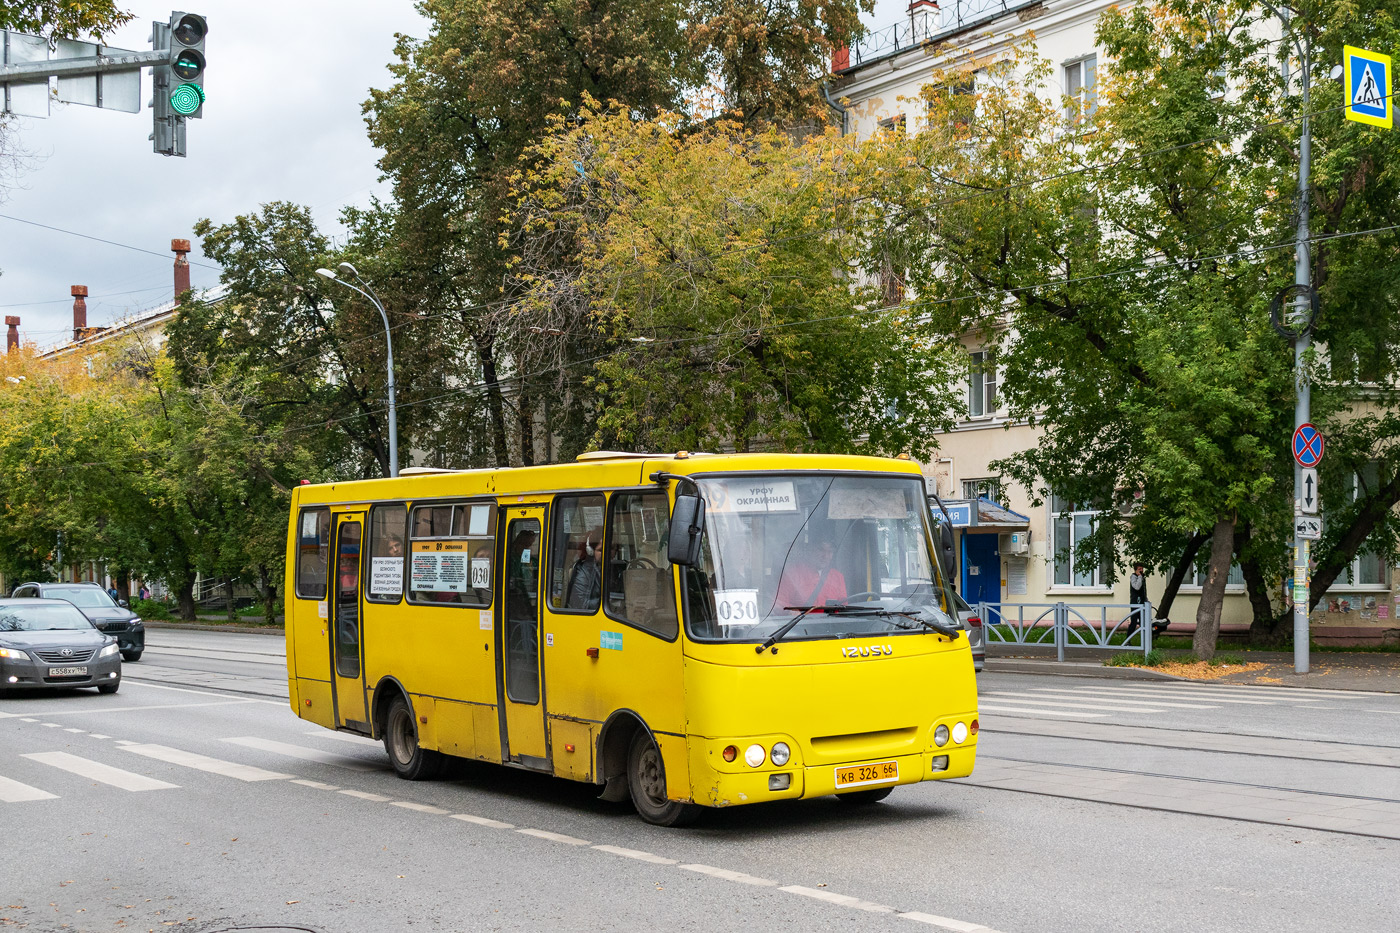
(893, 124)
(1075, 523)
(1366, 569)
(1079, 88)
(982, 489)
(1198, 575)
(982, 384)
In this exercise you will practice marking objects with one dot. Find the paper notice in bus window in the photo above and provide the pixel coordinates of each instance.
(385, 576)
(867, 502)
(592, 517)
(754, 496)
(736, 607)
(308, 524)
(480, 520)
(481, 573)
(439, 566)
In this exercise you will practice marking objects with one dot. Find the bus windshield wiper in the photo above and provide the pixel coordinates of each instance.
(787, 626)
(951, 631)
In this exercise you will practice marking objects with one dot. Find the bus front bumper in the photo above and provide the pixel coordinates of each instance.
(734, 788)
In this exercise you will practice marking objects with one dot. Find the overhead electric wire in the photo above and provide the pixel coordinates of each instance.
(98, 239)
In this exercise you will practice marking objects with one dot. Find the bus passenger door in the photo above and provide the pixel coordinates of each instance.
(347, 660)
(518, 685)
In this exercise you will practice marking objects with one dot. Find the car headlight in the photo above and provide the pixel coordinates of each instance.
(137, 623)
(108, 651)
(13, 653)
(781, 753)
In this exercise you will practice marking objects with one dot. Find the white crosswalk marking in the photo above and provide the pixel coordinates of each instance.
(1046, 693)
(1073, 702)
(15, 792)
(347, 737)
(1111, 692)
(176, 756)
(985, 708)
(96, 771)
(304, 753)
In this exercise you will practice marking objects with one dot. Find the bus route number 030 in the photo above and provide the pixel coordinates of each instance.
(737, 607)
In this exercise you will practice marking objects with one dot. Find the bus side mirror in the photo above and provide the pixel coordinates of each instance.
(945, 550)
(687, 524)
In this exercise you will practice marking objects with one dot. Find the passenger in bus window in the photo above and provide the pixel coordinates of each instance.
(585, 587)
(810, 579)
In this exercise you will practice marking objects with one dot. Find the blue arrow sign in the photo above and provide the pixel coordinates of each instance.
(1308, 446)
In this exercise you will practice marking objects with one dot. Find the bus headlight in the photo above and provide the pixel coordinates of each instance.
(754, 755)
(959, 733)
(940, 736)
(781, 753)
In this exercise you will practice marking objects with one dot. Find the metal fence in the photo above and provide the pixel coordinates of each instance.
(1111, 626)
(929, 26)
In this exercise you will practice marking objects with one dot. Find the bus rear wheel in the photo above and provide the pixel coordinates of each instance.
(858, 798)
(410, 762)
(646, 779)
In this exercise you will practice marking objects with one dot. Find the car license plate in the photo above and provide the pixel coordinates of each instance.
(68, 672)
(879, 772)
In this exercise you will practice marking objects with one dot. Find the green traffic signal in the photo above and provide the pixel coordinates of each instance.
(187, 98)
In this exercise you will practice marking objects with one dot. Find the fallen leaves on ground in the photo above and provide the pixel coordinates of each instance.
(1204, 670)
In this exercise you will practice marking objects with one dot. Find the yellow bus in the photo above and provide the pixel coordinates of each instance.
(691, 631)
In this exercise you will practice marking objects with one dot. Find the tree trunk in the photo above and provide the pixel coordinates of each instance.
(1262, 627)
(485, 348)
(1183, 567)
(1376, 507)
(1222, 547)
(526, 417)
(269, 594)
(228, 593)
(184, 598)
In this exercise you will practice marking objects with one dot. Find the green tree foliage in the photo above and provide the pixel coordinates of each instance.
(720, 267)
(62, 19)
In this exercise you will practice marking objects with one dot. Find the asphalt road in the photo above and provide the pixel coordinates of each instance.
(195, 800)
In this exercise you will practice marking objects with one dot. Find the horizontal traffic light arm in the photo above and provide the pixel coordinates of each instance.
(35, 72)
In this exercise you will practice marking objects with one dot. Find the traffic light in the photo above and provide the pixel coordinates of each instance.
(187, 32)
(177, 84)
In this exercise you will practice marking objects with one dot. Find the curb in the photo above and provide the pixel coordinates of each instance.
(213, 627)
(1072, 669)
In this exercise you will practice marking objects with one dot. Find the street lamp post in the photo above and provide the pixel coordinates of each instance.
(347, 269)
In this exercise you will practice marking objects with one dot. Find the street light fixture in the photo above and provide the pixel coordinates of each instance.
(348, 270)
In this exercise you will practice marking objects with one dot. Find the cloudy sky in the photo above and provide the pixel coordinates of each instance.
(285, 82)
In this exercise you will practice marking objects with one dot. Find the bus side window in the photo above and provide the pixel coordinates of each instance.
(388, 526)
(313, 549)
(576, 554)
(637, 575)
(450, 554)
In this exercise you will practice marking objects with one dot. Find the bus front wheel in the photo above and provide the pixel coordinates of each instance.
(646, 779)
(859, 797)
(410, 762)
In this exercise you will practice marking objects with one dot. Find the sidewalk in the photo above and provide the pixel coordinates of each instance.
(1371, 671)
(215, 627)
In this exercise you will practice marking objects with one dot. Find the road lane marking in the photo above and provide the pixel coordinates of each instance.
(304, 753)
(984, 708)
(420, 807)
(129, 679)
(554, 837)
(133, 709)
(1115, 692)
(316, 784)
(831, 897)
(53, 725)
(96, 771)
(366, 795)
(10, 716)
(1117, 698)
(15, 792)
(637, 854)
(125, 742)
(186, 759)
(347, 737)
(98, 735)
(482, 821)
(74, 730)
(728, 875)
(1072, 703)
(946, 923)
(1240, 694)
(27, 719)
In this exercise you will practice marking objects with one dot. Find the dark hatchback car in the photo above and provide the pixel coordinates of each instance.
(49, 643)
(93, 602)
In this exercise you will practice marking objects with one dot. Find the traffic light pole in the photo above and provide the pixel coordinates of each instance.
(37, 72)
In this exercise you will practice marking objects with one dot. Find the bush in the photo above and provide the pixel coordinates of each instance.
(150, 609)
(1153, 658)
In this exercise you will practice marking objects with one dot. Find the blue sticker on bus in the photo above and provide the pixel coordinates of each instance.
(612, 641)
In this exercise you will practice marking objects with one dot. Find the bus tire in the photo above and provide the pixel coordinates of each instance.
(410, 762)
(859, 798)
(646, 779)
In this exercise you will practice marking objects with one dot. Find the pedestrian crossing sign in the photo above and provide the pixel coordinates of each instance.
(1366, 82)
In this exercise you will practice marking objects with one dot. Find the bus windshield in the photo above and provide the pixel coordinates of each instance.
(851, 553)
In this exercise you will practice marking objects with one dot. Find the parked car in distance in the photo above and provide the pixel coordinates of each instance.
(49, 643)
(93, 602)
(967, 616)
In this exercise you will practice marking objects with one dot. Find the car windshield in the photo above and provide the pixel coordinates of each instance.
(853, 551)
(84, 597)
(41, 618)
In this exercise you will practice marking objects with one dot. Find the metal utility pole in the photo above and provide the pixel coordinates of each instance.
(347, 269)
(1302, 279)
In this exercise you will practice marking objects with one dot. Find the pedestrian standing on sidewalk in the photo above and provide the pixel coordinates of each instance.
(1137, 597)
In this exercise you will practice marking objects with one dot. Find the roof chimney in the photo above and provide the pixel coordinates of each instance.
(182, 267)
(79, 311)
(923, 6)
(12, 334)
